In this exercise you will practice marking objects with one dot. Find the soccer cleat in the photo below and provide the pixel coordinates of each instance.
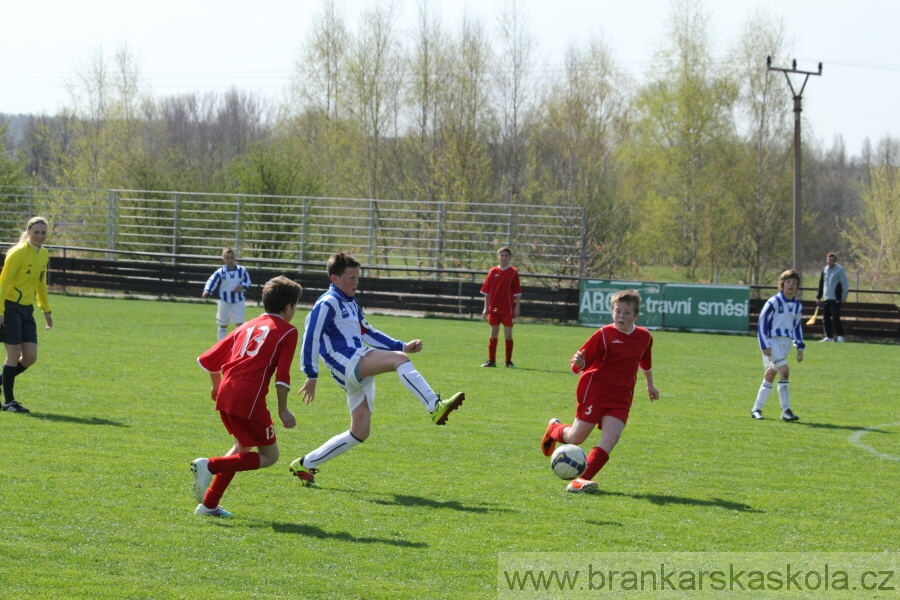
(787, 415)
(510, 364)
(212, 512)
(583, 486)
(840, 338)
(826, 339)
(306, 476)
(756, 414)
(548, 443)
(202, 477)
(443, 408)
(15, 407)
(489, 363)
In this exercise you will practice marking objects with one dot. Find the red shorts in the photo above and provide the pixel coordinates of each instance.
(249, 433)
(498, 319)
(594, 413)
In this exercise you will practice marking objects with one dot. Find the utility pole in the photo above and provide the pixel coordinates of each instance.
(798, 98)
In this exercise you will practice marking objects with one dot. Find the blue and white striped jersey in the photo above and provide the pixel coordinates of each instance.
(780, 317)
(225, 281)
(334, 329)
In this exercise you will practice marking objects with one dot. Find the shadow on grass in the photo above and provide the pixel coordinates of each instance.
(317, 532)
(419, 502)
(604, 523)
(832, 426)
(662, 500)
(79, 420)
(532, 369)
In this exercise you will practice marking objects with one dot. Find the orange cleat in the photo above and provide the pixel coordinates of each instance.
(548, 444)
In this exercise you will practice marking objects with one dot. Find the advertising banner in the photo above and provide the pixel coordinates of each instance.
(707, 307)
(594, 309)
(670, 305)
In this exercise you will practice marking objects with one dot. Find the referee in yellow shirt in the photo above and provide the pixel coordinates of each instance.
(22, 282)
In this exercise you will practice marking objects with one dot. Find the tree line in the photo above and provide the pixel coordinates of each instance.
(689, 168)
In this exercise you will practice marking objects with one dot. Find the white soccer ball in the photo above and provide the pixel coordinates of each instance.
(568, 461)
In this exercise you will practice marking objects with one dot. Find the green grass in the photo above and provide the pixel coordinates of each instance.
(95, 489)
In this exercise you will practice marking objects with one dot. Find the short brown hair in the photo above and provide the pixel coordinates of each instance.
(280, 292)
(505, 249)
(789, 274)
(340, 262)
(632, 297)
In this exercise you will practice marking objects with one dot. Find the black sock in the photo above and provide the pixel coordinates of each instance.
(9, 379)
(19, 369)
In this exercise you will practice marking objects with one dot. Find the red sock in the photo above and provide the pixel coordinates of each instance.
(595, 461)
(217, 489)
(509, 347)
(492, 349)
(244, 461)
(556, 432)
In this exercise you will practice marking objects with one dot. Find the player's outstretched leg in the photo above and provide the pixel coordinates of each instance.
(443, 408)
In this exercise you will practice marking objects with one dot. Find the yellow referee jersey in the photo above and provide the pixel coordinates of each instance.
(24, 276)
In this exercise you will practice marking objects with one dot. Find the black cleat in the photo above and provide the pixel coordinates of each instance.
(787, 415)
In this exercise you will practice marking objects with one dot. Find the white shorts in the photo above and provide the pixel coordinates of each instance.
(229, 312)
(359, 390)
(779, 346)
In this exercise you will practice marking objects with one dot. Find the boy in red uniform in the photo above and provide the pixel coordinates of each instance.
(240, 367)
(608, 363)
(502, 297)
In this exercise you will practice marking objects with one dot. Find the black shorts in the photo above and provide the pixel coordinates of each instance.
(18, 324)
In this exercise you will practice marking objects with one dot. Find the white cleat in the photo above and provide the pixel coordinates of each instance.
(212, 512)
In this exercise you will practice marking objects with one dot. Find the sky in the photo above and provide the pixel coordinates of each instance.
(190, 46)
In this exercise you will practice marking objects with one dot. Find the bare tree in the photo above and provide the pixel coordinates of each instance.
(574, 153)
(515, 99)
(374, 79)
(463, 173)
(426, 92)
(684, 130)
(875, 236)
(761, 181)
(318, 83)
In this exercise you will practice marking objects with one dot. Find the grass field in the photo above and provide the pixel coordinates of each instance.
(95, 489)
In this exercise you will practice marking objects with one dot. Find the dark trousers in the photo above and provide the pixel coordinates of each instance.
(832, 319)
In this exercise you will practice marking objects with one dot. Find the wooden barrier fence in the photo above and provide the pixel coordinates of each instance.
(461, 298)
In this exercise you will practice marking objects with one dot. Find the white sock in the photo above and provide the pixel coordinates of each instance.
(784, 394)
(764, 390)
(330, 449)
(223, 331)
(416, 384)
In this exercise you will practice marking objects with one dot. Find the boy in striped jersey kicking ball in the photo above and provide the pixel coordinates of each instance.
(355, 352)
(780, 326)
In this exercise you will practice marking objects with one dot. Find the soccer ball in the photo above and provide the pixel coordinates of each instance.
(568, 461)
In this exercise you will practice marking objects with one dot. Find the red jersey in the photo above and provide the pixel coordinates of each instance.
(611, 362)
(247, 359)
(502, 286)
